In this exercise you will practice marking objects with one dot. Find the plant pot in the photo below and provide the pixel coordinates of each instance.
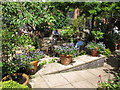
(34, 63)
(65, 59)
(116, 45)
(94, 52)
(21, 78)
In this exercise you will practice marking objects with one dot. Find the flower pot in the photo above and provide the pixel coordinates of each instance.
(65, 59)
(116, 45)
(34, 63)
(94, 52)
(21, 78)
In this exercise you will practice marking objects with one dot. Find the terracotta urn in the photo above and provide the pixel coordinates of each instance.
(94, 52)
(34, 63)
(22, 78)
(65, 59)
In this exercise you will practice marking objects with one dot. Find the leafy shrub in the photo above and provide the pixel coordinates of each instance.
(92, 45)
(97, 34)
(69, 50)
(25, 58)
(12, 84)
(111, 84)
(43, 63)
(9, 67)
(10, 41)
(100, 47)
(106, 52)
(21, 61)
(52, 60)
(67, 32)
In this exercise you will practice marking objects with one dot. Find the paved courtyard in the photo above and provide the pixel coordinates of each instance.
(74, 79)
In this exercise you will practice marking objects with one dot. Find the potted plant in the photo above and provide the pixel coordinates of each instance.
(30, 60)
(21, 78)
(66, 53)
(93, 47)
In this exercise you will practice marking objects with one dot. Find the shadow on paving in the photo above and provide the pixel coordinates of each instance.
(114, 61)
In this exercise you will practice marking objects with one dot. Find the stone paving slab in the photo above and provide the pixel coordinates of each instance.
(85, 74)
(74, 79)
(55, 80)
(86, 78)
(83, 84)
(80, 62)
(96, 72)
(93, 81)
(65, 86)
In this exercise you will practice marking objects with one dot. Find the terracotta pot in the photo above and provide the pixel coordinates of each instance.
(34, 63)
(23, 80)
(118, 48)
(94, 52)
(65, 59)
(116, 45)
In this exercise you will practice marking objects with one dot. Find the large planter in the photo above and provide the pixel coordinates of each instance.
(65, 59)
(18, 77)
(94, 52)
(34, 69)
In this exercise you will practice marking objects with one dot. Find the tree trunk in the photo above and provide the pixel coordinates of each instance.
(92, 22)
(76, 13)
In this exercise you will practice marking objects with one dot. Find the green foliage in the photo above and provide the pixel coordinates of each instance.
(105, 52)
(67, 50)
(79, 22)
(110, 41)
(27, 57)
(60, 20)
(10, 67)
(52, 60)
(24, 40)
(0, 68)
(20, 13)
(13, 85)
(100, 47)
(82, 53)
(97, 35)
(92, 45)
(111, 84)
(8, 42)
(43, 63)
(67, 32)
(31, 49)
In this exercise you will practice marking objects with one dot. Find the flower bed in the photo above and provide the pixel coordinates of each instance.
(69, 50)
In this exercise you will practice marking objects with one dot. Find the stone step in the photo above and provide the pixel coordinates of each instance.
(79, 63)
(46, 38)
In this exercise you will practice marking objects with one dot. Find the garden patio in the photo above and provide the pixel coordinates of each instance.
(87, 78)
(60, 45)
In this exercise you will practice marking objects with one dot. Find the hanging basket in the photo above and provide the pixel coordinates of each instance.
(65, 59)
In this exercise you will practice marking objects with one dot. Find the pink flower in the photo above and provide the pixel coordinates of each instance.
(98, 81)
(99, 76)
